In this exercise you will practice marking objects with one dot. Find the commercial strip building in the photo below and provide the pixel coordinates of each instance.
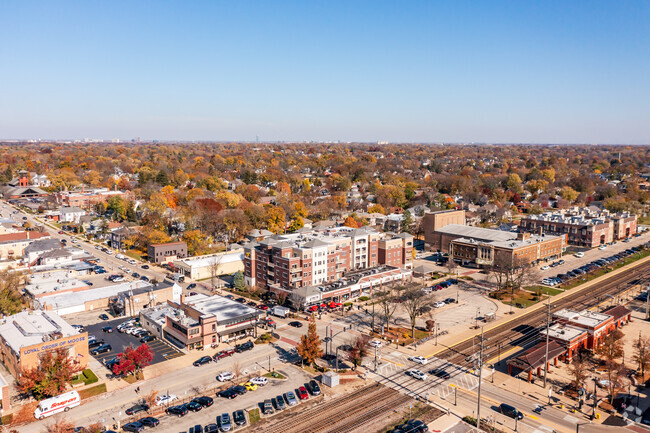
(27, 335)
(167, 252)
(200, 320)
(123, 299)
(203, 267)
(585, 227)
(476, 246)
(315, 257)
(352, 285)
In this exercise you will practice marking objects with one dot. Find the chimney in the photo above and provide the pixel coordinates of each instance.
(182, 298)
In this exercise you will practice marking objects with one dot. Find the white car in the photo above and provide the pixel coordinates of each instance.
(165, 399)
(375, 343)
(259, 380)
(417, 374)
(419, 359)
(546, 267)
(226, 375)
(602, 247)
(438, 304)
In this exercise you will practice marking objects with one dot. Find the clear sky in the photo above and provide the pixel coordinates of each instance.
(425, 71)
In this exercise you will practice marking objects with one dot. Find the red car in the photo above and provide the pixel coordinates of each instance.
(263, 307)
(302, 393)
(223, 354)
(313, 308)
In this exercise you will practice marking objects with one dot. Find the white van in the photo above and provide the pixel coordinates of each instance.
(57, 404)
(579, 254)
(120, 256)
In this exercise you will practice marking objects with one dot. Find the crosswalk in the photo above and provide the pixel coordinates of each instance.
(393, 374)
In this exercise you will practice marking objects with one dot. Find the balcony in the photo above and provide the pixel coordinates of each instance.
(270, 272)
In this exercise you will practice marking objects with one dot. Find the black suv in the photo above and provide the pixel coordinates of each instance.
(238, 417)
(204, 401)
(510, 411)
(228, 393)
(177, 410)
(313, 388)
(244, 347)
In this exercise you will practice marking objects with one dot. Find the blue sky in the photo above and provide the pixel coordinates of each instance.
(416, 71)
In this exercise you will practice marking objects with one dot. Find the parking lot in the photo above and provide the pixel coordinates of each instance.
(162, 351)
(296, 377)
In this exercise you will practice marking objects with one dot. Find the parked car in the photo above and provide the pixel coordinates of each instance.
(244, 347)
(137, 408)
(95, 343)
(267, 407)
(278, 403)
(104, 316)
(211, 428)
(147, 339)
(107, 329)
(165, 399)
(145, 266)
(290, 398)
(302, 393)
(249, 386)
(101, 349)
(224, 376)
(149, 421)
(240, 389)
(204, 401)
(375, 343)
(194, 406)
(202, 361)
(191, 286)
(223, 421)
(438, 304)
(450, 301)
(259, 380)
(229, 393)
(313, 387)
(133, 427)
(238, 417)
(223, 354)
(179, 411)
(295, 324)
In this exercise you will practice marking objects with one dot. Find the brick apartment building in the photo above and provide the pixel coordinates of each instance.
(167, 252)
(585, 227)
(434, 221)
(85, 199)
(320, 256)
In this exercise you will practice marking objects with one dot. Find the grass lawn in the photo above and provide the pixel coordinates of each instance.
(401, 334)
(544, 290)
(90, 392)
(277, 375)
(135, 254)
(254, 416)
(602, 271)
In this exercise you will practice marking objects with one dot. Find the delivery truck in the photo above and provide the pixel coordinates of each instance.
(60, 403)
(280, 311)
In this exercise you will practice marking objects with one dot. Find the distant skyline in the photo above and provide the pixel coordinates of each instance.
(418, 71)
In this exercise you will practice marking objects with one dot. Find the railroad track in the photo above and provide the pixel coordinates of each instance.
(509, 334)
(341, 414)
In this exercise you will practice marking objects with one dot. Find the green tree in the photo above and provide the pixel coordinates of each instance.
(117, 204)
(238, 280)
(11, 301)
(407, 221)
(309, 347)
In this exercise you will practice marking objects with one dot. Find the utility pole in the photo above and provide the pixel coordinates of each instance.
(647, 305)
(480, 370)
(548, 325)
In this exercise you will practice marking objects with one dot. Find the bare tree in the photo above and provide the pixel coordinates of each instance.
(610, 350)
(451, 265)
(59, 425)
(642, 354)
(414, 300)
(512, 274)
(387, 304)
(215, 265)
(236, 370)
(579, 371)
(357, 350)
(150, 398)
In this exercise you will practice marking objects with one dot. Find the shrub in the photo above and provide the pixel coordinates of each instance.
(364, 298)
(89, 376)
(347, 304)
(470, 420)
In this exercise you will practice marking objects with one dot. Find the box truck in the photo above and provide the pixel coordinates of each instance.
(59, 403)
(280, 311)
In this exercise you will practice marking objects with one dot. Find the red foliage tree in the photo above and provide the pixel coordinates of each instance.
(133, 360)
(52, 375)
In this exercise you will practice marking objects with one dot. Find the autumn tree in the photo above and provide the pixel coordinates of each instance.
(610, 350)
(357, 350)
(11, 300)
(309, 347)
(579, 371)
(133, 360)
(55, 370)
(150, 398)
(350, 222)
(387, 304)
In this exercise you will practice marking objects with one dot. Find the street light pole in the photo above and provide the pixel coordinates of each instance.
(548, 324)
(480, 370)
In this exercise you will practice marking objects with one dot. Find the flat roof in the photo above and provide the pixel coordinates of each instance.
(202, 261)
(222, 308)
(32, 327)
(586, 318)
(71, 299)
(477, 232)
(564, 332)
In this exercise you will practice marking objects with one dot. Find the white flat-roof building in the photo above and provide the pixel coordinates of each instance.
(201, 267)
